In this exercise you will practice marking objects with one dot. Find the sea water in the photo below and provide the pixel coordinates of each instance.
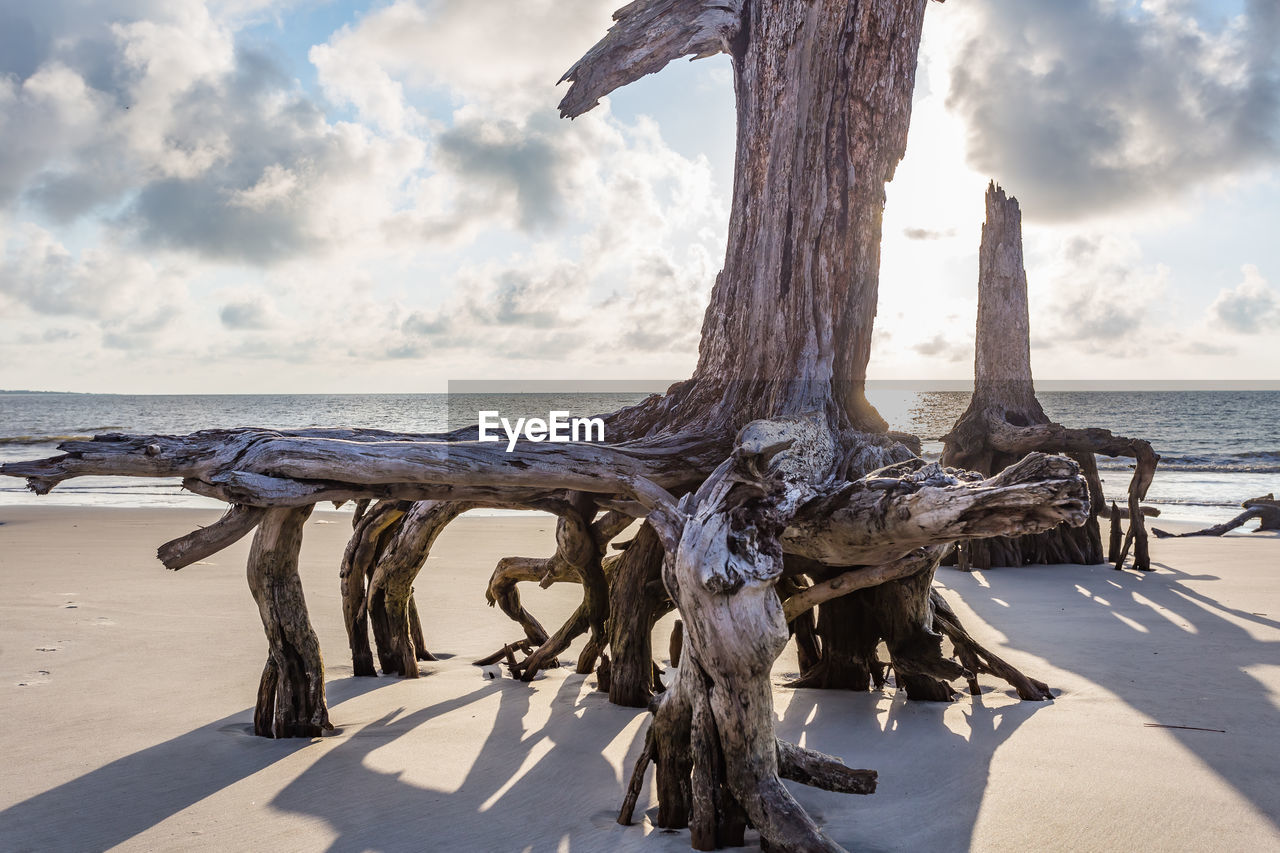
(1217, 448)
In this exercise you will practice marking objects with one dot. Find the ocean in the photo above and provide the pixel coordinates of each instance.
(1217, 448)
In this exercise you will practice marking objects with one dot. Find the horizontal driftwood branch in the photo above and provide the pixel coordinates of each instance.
(880, 519)
(877, 519)
(646, 35)
(861, 578)
(255, 466)
(243, 487)
(1055, 438)
(1265, 508)
(207, 541)
(819, 770)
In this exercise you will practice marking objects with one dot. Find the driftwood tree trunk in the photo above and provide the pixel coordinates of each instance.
(769, 455)
(1005, 421)
(291, 699)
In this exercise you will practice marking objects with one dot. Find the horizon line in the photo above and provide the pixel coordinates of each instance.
(603, 386)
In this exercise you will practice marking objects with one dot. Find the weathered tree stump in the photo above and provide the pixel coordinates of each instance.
(1004, 420)
(769, 454)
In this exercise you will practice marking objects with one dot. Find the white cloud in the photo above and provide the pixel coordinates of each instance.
(503, 55)
(128, 301)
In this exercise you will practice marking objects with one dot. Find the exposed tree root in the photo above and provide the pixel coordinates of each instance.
(977, 659)
(637, 601)
(291, 699)
(207, 541)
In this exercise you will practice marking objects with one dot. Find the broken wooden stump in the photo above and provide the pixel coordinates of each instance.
(1004, 419)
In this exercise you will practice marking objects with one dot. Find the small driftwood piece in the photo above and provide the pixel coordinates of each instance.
(1266, 509)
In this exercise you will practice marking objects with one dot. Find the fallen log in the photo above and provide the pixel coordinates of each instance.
(1266, 509)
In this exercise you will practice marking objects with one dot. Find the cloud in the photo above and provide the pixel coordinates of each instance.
(1248, 308)
(132, 302)
(494, 54)
(500, 155)
(1096, 105)
(945, 346)
(194, 200)
(246, 314)
(1095, 294)
(927, 234)
(153, 114)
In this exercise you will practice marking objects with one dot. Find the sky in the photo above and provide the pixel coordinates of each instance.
(220, 196)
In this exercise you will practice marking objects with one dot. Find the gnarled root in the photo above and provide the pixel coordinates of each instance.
(712, 736)
(580, 548)
(715, 793)
(391, 608)
(387, 550)
(372, 526)
(637, 601)
(977, 659)
(291, 699)
(862, 606)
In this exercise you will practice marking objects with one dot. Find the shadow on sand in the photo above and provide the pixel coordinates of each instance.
(552, 784)
(1172, 634)
(550, 781)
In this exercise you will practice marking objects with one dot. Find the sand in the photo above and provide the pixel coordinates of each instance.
(127, 692)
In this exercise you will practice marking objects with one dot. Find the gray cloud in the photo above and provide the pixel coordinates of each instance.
(1087, 105)
(499, 157)
(1249, 308)
(1098, 296)
(247, 314)
(22, 46)
(1208, 348)
(242, 113)
(927, 234)
(180, 157)
(942, 345)
(420, 325)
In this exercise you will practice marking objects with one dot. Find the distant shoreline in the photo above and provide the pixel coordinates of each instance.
(631, 386)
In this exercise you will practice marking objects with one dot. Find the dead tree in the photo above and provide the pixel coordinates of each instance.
(768, 454)
(1266, 509)
(1004, 420)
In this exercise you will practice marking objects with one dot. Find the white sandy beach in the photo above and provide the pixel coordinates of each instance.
(128, 693)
